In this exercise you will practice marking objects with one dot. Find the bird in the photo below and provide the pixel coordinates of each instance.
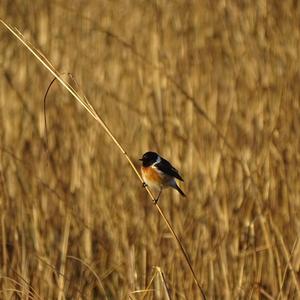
(158, 173)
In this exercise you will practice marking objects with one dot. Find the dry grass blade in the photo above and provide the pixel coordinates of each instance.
(17, 292)
(147, 289)
(61, 278)
(94, 114)
(286, 270)
(142, 291)
(287, 256)
(162, 277)
(93, 272)
(31, 294)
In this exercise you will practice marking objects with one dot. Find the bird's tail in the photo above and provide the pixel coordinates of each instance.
(179, 190)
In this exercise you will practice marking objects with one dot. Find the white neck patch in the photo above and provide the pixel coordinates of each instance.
(158, 160)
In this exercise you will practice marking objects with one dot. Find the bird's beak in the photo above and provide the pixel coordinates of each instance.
(141, 159)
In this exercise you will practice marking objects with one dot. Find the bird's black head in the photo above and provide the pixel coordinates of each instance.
(149, 158)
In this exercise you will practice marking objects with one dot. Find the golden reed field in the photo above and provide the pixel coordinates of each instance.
(213, 86)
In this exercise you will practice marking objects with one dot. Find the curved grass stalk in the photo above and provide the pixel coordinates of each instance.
(85, 103)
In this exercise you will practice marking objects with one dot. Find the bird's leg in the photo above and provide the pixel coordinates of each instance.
(156, 200)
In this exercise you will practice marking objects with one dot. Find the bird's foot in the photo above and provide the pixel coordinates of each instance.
(158, 196)
(144, 184)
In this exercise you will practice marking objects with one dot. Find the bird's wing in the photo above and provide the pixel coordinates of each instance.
(168, 169)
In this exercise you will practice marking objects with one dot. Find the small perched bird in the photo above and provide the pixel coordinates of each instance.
(158, 173)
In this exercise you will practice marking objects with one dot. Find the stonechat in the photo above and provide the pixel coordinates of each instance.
(158, 173)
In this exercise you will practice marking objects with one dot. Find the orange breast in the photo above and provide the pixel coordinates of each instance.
(150, 174)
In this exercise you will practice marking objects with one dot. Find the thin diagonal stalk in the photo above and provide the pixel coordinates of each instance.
(84, 102)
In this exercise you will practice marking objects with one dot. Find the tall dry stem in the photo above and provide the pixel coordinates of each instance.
(85, 103)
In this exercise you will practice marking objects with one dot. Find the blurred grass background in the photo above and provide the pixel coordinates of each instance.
(77, 224)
